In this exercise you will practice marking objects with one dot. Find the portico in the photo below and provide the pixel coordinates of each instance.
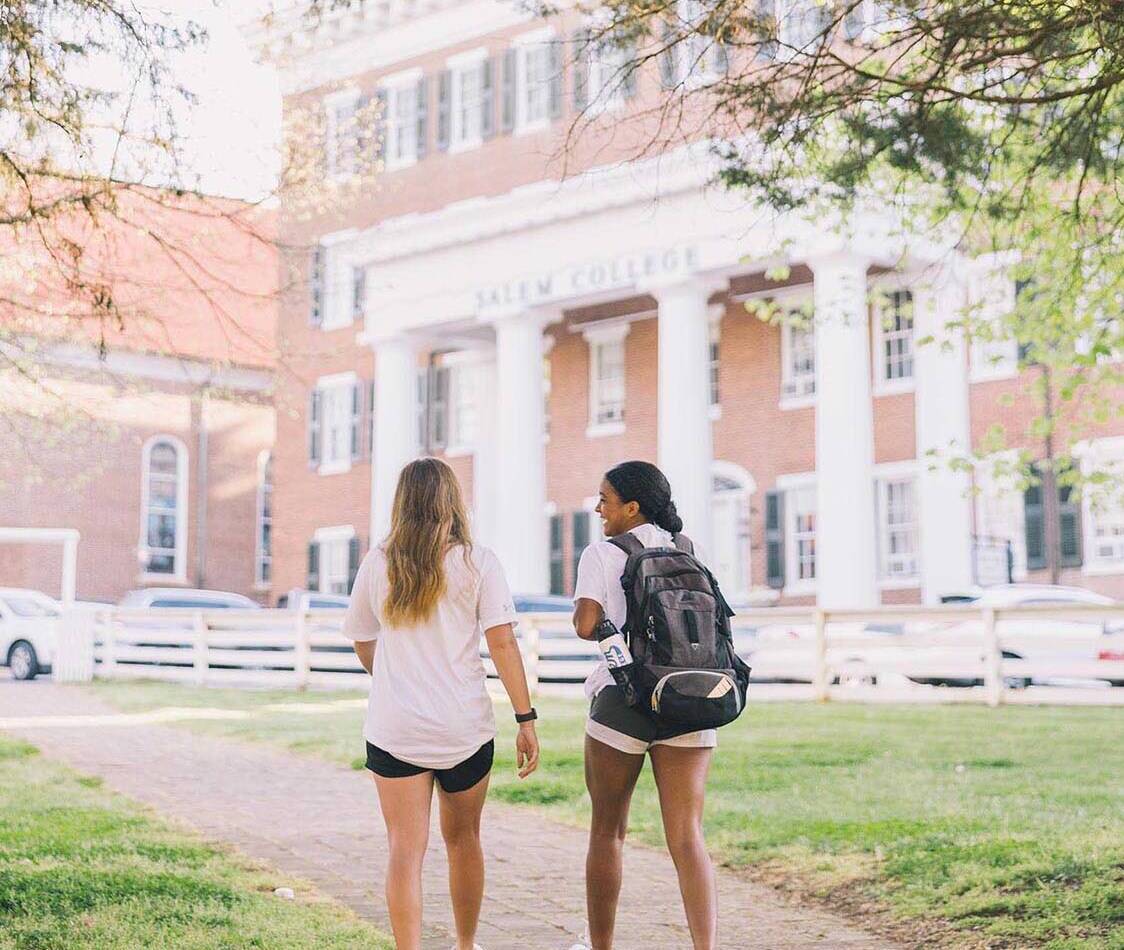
(504, 283)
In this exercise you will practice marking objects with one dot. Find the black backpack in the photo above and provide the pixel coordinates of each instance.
(684, 669)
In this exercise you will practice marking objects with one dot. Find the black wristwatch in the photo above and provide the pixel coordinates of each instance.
(527, 716)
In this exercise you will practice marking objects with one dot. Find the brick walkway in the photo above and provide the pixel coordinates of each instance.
(320, 822)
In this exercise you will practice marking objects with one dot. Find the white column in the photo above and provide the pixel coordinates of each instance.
(942, 425)
(485, 467)
(685, 446)
(846, 565)
(396, 425)
(520, 529)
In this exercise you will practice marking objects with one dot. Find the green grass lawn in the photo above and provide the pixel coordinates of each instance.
(80, 867)
(1005, 826)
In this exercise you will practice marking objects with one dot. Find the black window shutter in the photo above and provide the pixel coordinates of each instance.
(314, 426)
(766, 10)
(488, 98)
(313, 580)
(669, 57)
(507, 91)
(774, 539)
(316, 286)
(581, 69)
(557, 78)
(580, 538)
(423, 118)
(557, 582)
(352, 562)
(356, 420)
(444, 109)
(1035, 520)
(1069, 528)
(371, 420)
(378, 137)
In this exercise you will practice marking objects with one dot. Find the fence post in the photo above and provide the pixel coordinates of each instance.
(301, 651)
(531, 657)
(993, 660)
(74, 650)
(202, 664)
(109, 645)
(819, 674)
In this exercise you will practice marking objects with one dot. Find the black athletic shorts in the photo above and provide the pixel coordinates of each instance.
(459, 778)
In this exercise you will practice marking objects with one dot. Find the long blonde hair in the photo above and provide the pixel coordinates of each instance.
(428, 517)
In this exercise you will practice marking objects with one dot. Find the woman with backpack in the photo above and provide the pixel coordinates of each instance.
(638, 515)
(418, 606)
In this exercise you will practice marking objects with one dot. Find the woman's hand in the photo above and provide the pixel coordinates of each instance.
(526, 749)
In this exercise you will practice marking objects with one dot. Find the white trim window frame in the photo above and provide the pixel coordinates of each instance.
(401, 91)
(533, 72)
(1103, 506)
(263, 523)
(800, 525)
(798, 361)
(607, 385)
(606, 65)
(992, 291)
(334, 557)
(895, 345)
(464, 402)
(732, 484)
(466, 97)
(799, 24)
(337, 421)
(169, 501)
(699, 59)
(898, 525)
(341, 136)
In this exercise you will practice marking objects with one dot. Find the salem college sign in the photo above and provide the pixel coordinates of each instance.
(586, 279)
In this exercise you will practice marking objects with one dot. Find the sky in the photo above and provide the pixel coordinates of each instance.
(230, 137)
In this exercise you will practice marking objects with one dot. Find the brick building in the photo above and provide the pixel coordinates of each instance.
(535, 306)
(158, 449)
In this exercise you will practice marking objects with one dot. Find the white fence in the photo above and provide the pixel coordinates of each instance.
(887, 653)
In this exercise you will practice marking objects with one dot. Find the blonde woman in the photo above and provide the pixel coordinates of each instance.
(419, 603)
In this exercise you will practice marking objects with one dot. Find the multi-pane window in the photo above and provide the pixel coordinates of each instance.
(343, 135)
(1108, 536)
(335, 565)
(264, 540)
(536, 65)
(335, 422)
(801, 507)
(162, 538)
(402, 124)
(464, 408)
(798, 352)
(802, 23)
(898, 524)
(897, 337)
(606, 381)
(691, 53)
(468, 98)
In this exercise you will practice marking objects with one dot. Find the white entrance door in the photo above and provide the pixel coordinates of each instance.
(730, 530)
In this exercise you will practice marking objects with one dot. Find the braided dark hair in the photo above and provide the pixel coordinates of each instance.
(645, 484)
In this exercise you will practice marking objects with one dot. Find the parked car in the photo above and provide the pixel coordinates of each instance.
(786, 653)
(186, 597)
(298, 599)
(1043, 641)
(28, 631)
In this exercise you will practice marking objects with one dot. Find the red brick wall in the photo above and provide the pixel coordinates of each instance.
(82, 469)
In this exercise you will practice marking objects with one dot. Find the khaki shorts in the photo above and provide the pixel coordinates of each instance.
(629, 729)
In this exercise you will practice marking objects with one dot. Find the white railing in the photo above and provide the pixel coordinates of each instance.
(881, 654)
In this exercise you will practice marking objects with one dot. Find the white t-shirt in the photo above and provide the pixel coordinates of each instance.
(599, 578)
(429, 705)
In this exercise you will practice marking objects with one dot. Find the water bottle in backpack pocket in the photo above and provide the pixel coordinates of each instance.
(684, 668)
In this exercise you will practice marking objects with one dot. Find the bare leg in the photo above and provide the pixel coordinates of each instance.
(406, 804)
(681, 779)
(460, 827)
(610, 776)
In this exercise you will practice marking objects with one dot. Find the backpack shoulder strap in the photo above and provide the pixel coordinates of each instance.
(627, 542)
(684, 544)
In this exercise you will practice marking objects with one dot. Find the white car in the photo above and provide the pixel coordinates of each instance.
(186, 598)
(949, 654)
(856, 652)
(28, 631)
